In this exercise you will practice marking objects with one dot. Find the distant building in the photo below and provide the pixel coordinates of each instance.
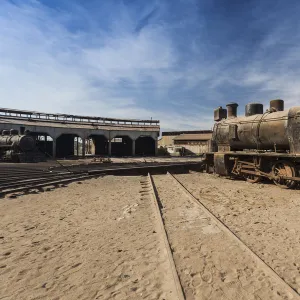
(193, 142)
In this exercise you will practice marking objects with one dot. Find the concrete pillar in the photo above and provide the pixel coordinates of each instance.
(77, 146)
(83, 147)
(109, 147)
(133, 147)
(156, 146)
(54, 148)
(45, 143)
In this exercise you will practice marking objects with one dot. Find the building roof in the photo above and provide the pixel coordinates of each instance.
(67, 118)
(172, 133)
(193, 137)
(93, 126)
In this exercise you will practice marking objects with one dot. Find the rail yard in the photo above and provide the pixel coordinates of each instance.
(111, 220)
(182, 235)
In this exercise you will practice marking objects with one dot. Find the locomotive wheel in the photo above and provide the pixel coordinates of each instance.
(252, 178)
(284, 168)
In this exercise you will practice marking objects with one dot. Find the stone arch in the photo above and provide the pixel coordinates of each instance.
(44, 142)
(69, 145)
(121, 145)
(145, 146)
(97, 144)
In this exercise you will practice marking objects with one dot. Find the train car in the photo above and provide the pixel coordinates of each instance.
(18, 148)
(258, 145)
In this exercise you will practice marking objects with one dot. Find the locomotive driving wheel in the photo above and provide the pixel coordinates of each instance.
(284, 169)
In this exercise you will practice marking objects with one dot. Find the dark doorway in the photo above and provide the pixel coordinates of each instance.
(97, 145)
(145, 146)
(121, 146)
(68, 145)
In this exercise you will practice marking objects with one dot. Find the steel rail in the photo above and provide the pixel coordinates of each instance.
(176, 279)
(57, 178)
(47, 183)
(272, 273)
(35, 181)
(146, 166)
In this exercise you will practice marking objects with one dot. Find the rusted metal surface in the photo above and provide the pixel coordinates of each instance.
(221, 164)
(253, 109)
(220, 113)
(284, 177)
(269, 131)
(259, 145)
(277, 105)
(232, 110)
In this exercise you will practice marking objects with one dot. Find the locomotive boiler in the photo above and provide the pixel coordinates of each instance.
(258, 145)
(16, 147)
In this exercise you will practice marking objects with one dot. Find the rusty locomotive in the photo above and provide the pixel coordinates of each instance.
(258, 145)
(18, 147)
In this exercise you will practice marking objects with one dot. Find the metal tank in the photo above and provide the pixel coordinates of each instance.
(272, 130)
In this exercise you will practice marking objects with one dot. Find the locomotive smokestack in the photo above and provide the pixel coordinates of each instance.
(232, 109)
(277, 105)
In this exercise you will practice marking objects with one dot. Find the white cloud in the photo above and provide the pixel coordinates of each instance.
(43, 66)
(118, 71)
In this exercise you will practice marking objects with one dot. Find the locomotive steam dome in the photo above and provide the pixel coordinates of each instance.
(277, 105)
(232, 109)
(254, 109)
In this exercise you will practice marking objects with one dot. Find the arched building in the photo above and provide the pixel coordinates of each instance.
(63, 135)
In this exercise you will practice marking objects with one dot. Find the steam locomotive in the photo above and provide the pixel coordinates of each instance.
(258, 145)
(18, 148)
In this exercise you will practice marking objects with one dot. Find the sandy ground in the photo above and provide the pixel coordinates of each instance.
(264, 216)
(99, 239)
(210, 263)
(95, 240)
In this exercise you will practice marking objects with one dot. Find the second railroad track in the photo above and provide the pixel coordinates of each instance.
(207, 259)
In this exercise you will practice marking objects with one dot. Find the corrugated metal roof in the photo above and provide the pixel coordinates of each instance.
(194, 137)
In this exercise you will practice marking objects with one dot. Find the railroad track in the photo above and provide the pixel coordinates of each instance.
(21, 179)
(204, 250)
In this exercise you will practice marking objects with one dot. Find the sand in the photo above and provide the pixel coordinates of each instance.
(210, 263)
(264, 216)
(95, 240)
(100, 239)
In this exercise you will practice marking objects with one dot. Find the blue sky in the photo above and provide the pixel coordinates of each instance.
(173, 60)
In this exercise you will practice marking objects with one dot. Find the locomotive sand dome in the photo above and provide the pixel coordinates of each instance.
(259, 144)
